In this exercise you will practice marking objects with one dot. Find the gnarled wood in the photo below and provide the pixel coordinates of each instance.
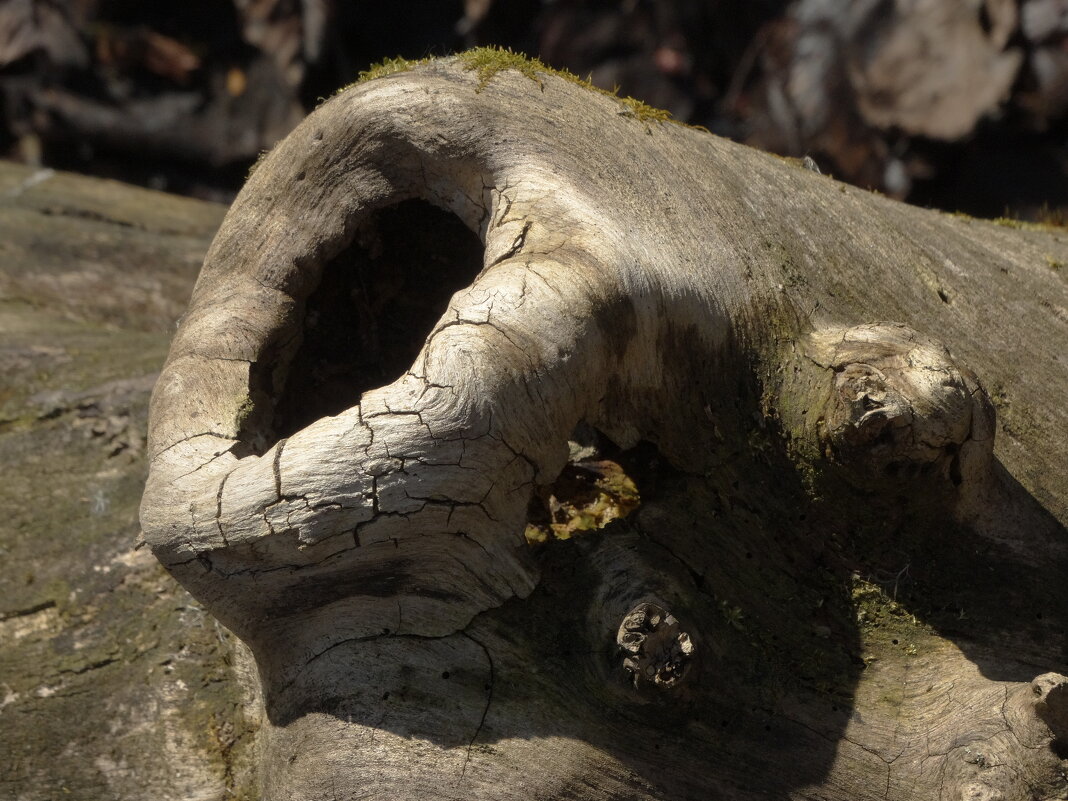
(362, 531)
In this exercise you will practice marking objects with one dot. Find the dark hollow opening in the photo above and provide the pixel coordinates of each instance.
(600, 482)
(373, 309)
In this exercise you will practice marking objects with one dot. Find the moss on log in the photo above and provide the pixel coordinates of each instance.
(848, 588)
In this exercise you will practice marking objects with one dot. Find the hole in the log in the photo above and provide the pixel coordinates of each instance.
(598, 484)
(375, 304)
(955, 474)
(886, 437)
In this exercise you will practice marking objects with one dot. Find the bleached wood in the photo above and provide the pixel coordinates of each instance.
(638, 277)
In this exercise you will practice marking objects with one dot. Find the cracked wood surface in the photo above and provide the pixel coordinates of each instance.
(663, 286)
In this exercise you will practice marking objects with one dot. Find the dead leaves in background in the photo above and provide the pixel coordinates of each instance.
(177, 91)
(32, 26)
(960, 105)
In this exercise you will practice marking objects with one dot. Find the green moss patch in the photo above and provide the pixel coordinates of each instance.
(389, 66)
(488, 61)
(882, 620)
(1046, 225)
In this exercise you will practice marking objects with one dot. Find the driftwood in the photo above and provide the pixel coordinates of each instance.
(839, 584)
(114, 683)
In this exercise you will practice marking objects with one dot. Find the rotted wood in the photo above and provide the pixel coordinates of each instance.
(843, 415)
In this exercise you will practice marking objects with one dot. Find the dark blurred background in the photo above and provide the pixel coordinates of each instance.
(959, 104)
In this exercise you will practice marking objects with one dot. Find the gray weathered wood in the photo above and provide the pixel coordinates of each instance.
(114, 683)
(868, 583)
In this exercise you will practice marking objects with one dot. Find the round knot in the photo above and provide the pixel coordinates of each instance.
(656, 650)
(1051, 702)
(899, 404)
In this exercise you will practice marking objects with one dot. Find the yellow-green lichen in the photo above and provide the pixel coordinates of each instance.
(1045, 219)
(643, 111)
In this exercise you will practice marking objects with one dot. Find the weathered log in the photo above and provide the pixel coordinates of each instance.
(861, 587)
(114, 683)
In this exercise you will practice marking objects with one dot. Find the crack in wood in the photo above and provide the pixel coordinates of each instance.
(485, 710)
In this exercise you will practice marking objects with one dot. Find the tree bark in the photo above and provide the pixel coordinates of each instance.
(114, 683)
(836, 587)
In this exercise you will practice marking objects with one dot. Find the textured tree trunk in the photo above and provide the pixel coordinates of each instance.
(836, 587)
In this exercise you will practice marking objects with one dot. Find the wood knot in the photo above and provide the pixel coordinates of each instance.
(1051, 703)
(897, 405)
(657, 652)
